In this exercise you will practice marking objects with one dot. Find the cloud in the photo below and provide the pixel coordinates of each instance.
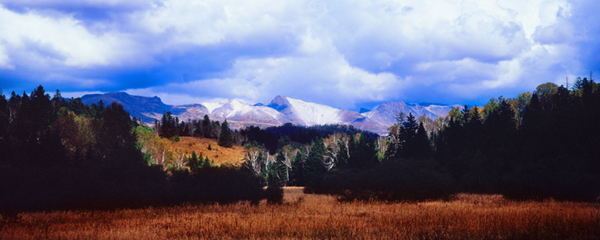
(335, 52)
(314, 71)
(4, 60)
(43, 41)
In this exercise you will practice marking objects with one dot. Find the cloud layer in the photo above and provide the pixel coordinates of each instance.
(342, 53)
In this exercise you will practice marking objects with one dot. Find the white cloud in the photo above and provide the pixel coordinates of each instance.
(334, 52)
(316, 71)
(4, 59)
(213, 22)
(45, 41)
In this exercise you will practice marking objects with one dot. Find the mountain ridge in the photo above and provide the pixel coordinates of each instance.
(279, 111)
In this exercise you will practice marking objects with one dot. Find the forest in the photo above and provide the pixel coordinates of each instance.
(536, 146)
(63, 155)
(60, 154)
(533, 147)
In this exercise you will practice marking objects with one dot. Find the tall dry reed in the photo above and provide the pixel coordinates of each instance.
(467, 216)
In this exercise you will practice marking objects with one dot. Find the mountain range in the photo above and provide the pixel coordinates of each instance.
(281, 110)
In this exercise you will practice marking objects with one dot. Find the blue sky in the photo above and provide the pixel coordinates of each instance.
(346, 54)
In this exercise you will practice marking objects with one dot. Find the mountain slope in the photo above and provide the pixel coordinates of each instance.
(309, 114)
(237, 111)
(146, 108)
(386, 113)
(281, 110)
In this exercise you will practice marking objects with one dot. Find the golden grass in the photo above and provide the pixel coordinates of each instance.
(219, 155)
(303, 216)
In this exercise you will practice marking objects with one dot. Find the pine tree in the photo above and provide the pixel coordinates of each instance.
(276, 180)
(314, 163)
(343, 155)
(206, 125)
(408, 131)
(362, 153)
(297, 175)
(193, 162)
(4, 127)
(421, 147)
(226, 139)
(206, 163)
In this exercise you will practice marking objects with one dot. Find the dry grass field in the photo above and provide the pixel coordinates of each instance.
(219, 155)
(319, 216)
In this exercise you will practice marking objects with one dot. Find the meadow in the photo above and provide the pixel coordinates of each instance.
(218, 155)
(302, 216)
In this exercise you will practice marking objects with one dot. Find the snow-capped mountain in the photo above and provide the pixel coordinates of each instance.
(234, 110)
(305, 113)
(308, 114)
(386, 113)
(281, 110)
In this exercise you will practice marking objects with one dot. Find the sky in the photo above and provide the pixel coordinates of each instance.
(346, 54)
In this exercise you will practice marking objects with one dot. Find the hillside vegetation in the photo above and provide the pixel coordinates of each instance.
(218, 155)
(64, 155)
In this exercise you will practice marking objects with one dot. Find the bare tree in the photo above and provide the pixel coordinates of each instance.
(251, 160)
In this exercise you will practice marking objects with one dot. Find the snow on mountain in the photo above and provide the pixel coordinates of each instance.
(281, 110)
(306, 113)
(211, 106)
(386, 113)
(238, 111)
(190, 111)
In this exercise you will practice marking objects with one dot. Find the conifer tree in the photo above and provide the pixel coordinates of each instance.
(314, 163)
(408, 131)
(422, 146)
(226, 138)
(4, 127)
(297, 175)
(193, 162)
(205, 128)
(276, 180)
(362, 152)
(343, 155)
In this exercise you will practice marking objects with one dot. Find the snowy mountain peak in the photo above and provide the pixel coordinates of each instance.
(279, 103)
(314, 113)
(386, 113)
(281, 110)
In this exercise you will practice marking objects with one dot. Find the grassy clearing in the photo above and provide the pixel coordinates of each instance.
(219, 155)
(319, 216)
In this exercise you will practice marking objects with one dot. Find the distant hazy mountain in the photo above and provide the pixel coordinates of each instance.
(281, 110)
(148, 108)
(386, 113)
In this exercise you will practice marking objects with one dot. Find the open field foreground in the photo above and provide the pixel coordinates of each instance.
(319, 216)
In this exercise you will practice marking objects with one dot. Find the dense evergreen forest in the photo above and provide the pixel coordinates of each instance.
(59, 154)
(535, 146)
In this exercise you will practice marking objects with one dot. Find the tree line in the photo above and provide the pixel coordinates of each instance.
(172, 128)
(58, 154)
(535, 146)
